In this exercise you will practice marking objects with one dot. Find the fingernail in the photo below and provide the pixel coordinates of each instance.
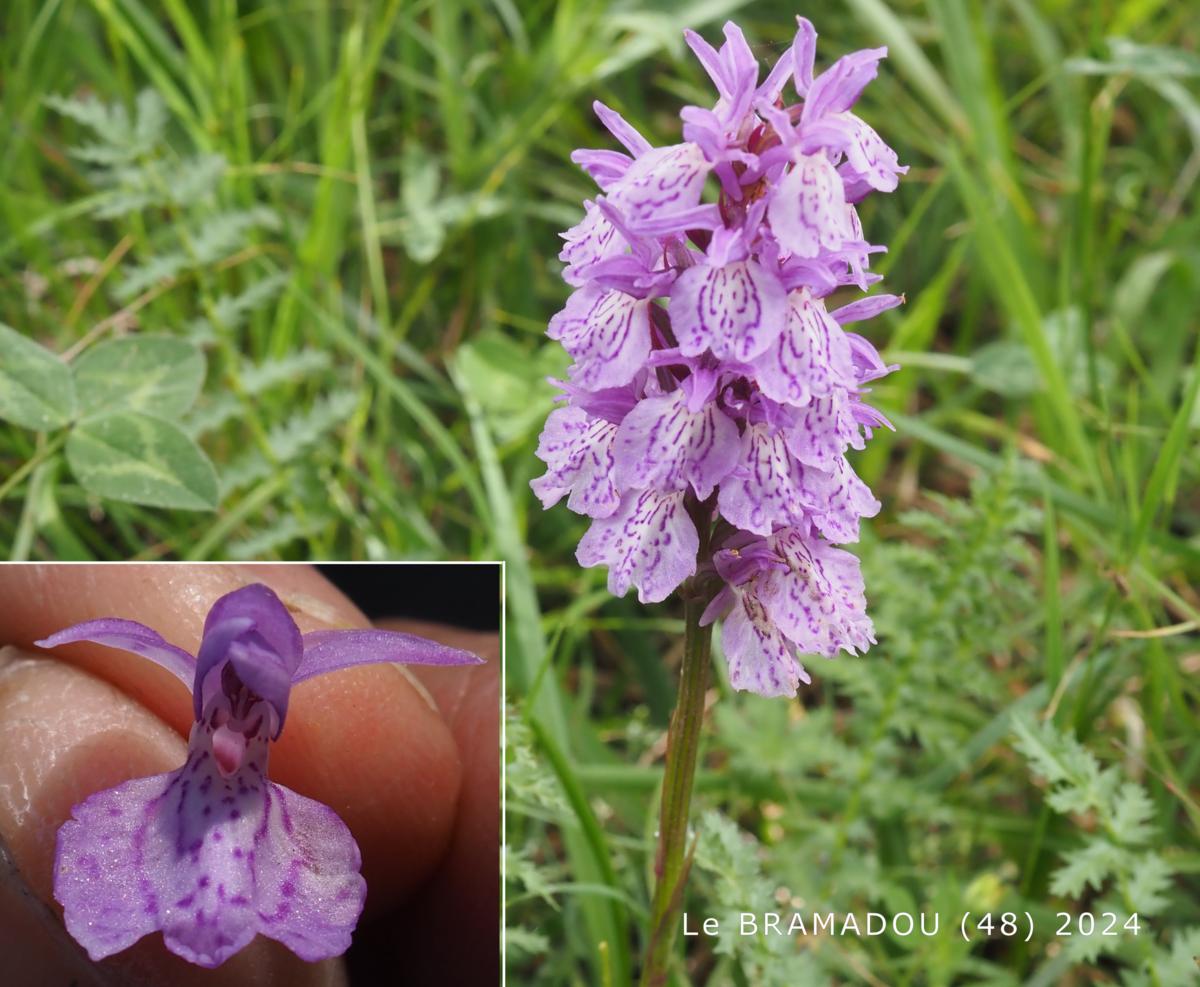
(421, 690)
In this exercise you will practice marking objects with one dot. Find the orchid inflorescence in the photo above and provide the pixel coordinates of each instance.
(713, 397)
(215, 853)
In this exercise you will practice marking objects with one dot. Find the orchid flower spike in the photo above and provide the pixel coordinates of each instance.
(214, 853)
(740, 433)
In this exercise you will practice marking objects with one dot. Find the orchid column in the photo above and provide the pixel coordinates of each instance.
(713, 396)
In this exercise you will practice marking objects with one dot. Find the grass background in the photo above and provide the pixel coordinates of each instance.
(378, 390)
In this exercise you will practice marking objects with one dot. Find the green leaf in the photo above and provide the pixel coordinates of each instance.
(1089, 865)
(1006, 367)
(1150, 880)
(424, 233)
(140, 459)
(35, 385)
(509, 382)
(160, 375)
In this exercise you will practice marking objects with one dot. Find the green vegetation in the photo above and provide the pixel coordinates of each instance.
(336, 225)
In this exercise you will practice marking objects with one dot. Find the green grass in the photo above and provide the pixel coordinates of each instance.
(378, 389)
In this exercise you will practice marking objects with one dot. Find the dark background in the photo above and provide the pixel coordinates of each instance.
(466, 595)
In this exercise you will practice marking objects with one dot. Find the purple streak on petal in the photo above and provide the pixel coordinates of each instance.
(109, 893)
(607, 333)
(702, 217)
(639, 247)
(810, 357)
(650, 543)
(620, 128)
(578, 452)
(824, 429)
(818, 602)
(761, 659)
(663, 181)
(767, 490)
(128, 635)
(840, 498)
(808, 210)
(737, 310)
(593, 239)
(328, 651)
(664, 445)
(210, 858)
(868, 158)
(311, 892)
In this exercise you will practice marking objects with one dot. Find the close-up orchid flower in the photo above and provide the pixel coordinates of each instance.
(214, 853)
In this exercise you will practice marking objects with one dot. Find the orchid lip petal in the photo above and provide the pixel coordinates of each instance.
(578, 452)
(209, 859)
(736, 310)
(663, 444)
(650, 543)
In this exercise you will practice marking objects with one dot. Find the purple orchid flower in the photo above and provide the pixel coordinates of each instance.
(215, 853)
(787, 595)
(713, 393)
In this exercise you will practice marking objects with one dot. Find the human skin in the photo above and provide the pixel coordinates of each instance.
(409, 778)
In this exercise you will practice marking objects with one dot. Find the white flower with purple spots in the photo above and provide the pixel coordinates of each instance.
(215, 853)
(578, 449)
(666, 444)
(607, 332)
(650, 543)
(730, 305)
(715, 392)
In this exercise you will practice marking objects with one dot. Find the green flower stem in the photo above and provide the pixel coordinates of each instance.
(674, 857)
